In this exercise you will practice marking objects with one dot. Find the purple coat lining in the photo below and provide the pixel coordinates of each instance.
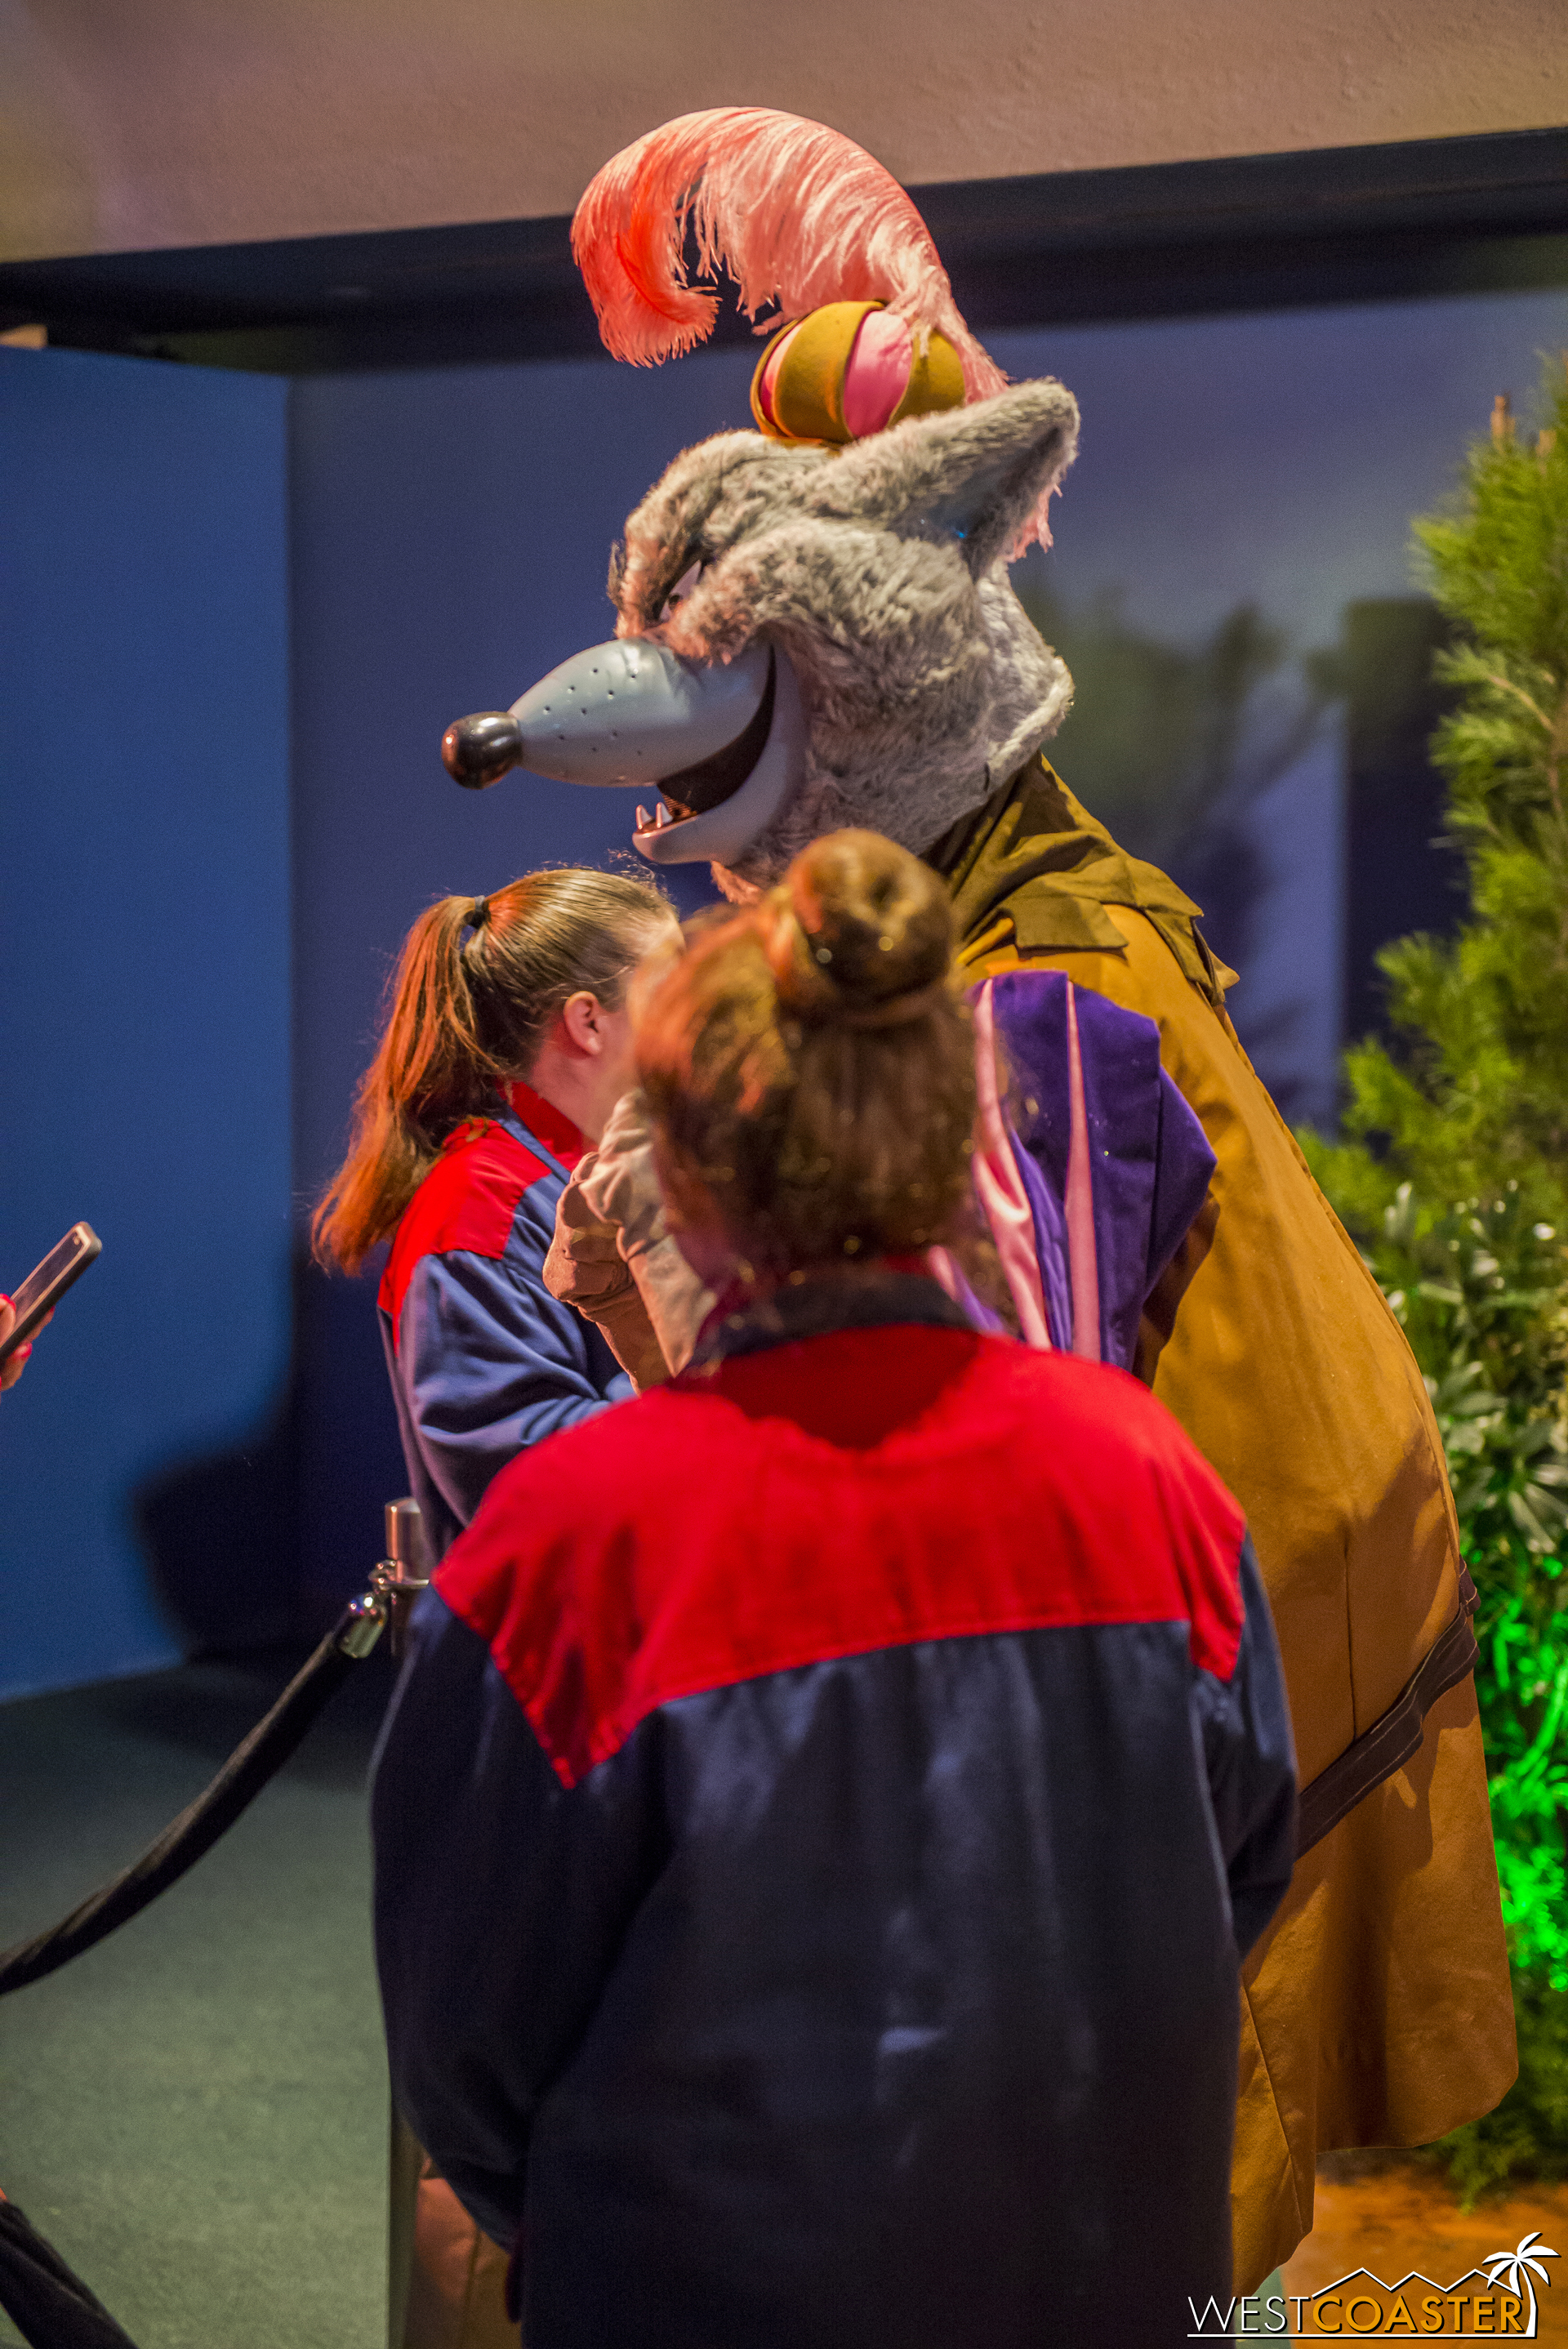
(1149, 1160)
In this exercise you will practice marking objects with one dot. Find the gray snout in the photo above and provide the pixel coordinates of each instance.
(630, 711)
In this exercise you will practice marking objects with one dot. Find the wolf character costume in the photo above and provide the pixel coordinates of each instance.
(816, 629)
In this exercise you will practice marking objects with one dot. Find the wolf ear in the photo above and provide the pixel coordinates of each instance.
(980, 475)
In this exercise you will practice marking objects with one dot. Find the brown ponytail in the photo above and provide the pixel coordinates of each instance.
(809, 1065)
(478, 986)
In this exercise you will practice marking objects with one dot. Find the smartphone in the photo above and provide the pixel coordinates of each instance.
(47, 1283)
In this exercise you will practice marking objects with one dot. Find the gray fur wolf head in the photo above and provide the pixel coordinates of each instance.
(808, 638)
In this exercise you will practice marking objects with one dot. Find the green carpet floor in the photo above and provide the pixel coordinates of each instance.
(195, 2112)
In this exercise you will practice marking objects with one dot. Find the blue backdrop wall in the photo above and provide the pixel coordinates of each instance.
(144, 994)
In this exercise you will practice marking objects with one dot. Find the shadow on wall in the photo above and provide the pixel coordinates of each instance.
(249, 1548)
(1173, 746)
(1400, 873)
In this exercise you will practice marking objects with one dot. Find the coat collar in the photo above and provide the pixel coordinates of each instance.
(543, 1123)
(811, 1306)
(1033, 870)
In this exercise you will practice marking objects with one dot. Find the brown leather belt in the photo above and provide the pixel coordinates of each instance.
(1379, 1751)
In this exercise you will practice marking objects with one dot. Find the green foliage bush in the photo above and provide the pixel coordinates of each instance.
(1454, 1176)
(1527, 2136)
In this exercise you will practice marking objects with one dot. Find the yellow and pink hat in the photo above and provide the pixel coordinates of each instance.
(849, 370)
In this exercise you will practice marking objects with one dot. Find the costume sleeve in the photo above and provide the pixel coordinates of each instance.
(1250, 1755)
(490, 1363)
(622, 1186)
(500, 1897)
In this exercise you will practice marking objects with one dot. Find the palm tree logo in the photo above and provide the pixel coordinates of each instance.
(1505, 2270)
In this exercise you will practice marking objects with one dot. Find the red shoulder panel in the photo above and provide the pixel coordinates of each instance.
(854, 1492)
(468, 1200)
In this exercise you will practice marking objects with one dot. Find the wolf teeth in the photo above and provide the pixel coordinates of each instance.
(642, 819)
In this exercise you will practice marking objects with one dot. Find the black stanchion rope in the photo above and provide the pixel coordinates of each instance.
(47, 2300)
(198, 1828)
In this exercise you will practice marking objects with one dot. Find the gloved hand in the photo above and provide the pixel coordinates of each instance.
(621, 1185)
(585, 1268)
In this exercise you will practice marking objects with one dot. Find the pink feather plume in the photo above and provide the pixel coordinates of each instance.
(798, 213)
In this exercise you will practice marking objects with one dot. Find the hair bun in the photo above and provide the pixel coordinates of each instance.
(858, 924)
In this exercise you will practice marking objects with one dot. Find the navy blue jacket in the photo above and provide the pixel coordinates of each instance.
(483, 1360)
(817, 1830)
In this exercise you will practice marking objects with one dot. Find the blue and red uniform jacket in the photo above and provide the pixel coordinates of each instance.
(817, 1830)
(484, 1361)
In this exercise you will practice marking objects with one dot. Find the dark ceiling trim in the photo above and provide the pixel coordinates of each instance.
(1348, 223)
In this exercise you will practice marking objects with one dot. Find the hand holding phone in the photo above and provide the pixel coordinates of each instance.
(43, 1290)
(15, 1362)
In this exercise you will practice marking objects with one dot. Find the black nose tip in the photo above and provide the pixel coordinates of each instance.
(477, 751)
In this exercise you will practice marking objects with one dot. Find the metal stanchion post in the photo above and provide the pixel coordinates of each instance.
(404, 1572)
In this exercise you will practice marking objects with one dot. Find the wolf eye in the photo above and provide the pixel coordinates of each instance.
(682, 588)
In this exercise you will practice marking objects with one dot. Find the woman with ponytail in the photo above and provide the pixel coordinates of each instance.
(507, 1045)
(863, 1760)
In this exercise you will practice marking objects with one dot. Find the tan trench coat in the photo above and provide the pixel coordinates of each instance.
(1378, 2010)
